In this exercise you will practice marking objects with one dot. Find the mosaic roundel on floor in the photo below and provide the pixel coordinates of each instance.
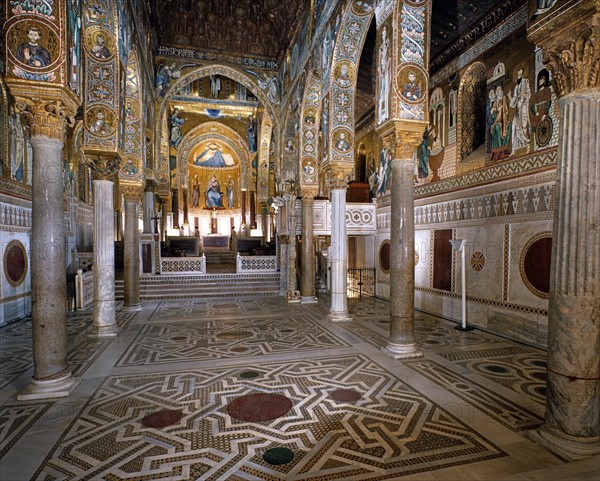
(278, 456)
(259, 407)
(162, 419)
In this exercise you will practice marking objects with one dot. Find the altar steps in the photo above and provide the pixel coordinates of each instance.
(208, 285)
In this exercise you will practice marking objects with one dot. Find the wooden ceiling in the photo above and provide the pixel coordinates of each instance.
(243, 27)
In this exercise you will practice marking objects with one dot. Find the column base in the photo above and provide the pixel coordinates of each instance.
(132, 308)
(293, 297)
(401, 351)
(466, 328)
(55, 388)
(568, 448)
(340, 316)
(308, 300)
(104, 331)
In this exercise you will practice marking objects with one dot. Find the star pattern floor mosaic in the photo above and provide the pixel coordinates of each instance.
(259, 389)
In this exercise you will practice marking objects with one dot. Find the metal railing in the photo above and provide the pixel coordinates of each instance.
(360, 282)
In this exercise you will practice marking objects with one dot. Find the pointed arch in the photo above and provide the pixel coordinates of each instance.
(205, 71)
(309, 132)
(342, 87)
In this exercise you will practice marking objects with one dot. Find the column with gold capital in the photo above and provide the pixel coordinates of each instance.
(307, 282)
(401, 143)
(104, 170)
(338, 250)
(131, 274)
(570, 43)
(47, 117)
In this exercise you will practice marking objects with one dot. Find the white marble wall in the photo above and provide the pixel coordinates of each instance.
(498, 221)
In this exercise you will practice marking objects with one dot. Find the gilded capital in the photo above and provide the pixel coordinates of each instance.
(402, 137)
(406, 143)
(103, 168)
(339, 176)
(132, 191)
(308, 193)
(47, 109)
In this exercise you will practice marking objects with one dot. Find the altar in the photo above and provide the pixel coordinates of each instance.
(215, 240)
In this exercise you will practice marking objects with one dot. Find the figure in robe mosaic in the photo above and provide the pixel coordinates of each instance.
(214, 196)
(519, 100)
(31, 52)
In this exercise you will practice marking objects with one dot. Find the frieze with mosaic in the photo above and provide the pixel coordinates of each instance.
(102, 104)
(347, 53)
(309, 135)
(134, 129)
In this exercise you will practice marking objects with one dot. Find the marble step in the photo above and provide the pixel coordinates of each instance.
(223, 285)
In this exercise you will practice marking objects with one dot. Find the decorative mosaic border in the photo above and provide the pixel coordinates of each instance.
(524, 165)
(488, 302)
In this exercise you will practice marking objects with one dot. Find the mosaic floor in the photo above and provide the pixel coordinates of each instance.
(258, 389)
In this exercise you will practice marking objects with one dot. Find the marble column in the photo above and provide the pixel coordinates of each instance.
(185, 207)
(571, 48)
(51, 373)
(401, 343)
(104, 323)
(292, 251)
(175, 208)
(572, 420)
(263, 221)
(338, 253)
(307, 283)
(131, 274)
(148, 202)
(163, 221)
(243, 205)
(252, 210)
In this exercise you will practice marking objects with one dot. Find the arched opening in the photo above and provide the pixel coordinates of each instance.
(471, 100)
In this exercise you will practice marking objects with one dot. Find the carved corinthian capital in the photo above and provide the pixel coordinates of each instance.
(571, 48)
(47, 109)
(103, 168)
(132, 192)
(45, 117)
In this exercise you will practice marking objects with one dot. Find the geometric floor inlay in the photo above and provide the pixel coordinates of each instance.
(390, 431)
(16, 419)
(201, 340)
(507, 412)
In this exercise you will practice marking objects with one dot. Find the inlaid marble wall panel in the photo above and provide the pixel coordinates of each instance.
(529, 263)
(423, 258)
(15, 297)
(484, 260)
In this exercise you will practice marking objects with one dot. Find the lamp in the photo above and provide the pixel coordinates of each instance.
(459, 245)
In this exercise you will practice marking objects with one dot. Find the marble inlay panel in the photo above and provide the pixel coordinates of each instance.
(227, 338)
(15, 419)
(391, 431)
(503, 410)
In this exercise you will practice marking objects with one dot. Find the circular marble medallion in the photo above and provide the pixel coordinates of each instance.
(15, 263)
(259, 407)
(278, 456)
(162, 419)
(345, 395)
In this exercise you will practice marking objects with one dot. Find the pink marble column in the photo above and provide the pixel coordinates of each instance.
(307, 283)
(131, 274)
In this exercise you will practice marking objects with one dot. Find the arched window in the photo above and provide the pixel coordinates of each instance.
(471, 105)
